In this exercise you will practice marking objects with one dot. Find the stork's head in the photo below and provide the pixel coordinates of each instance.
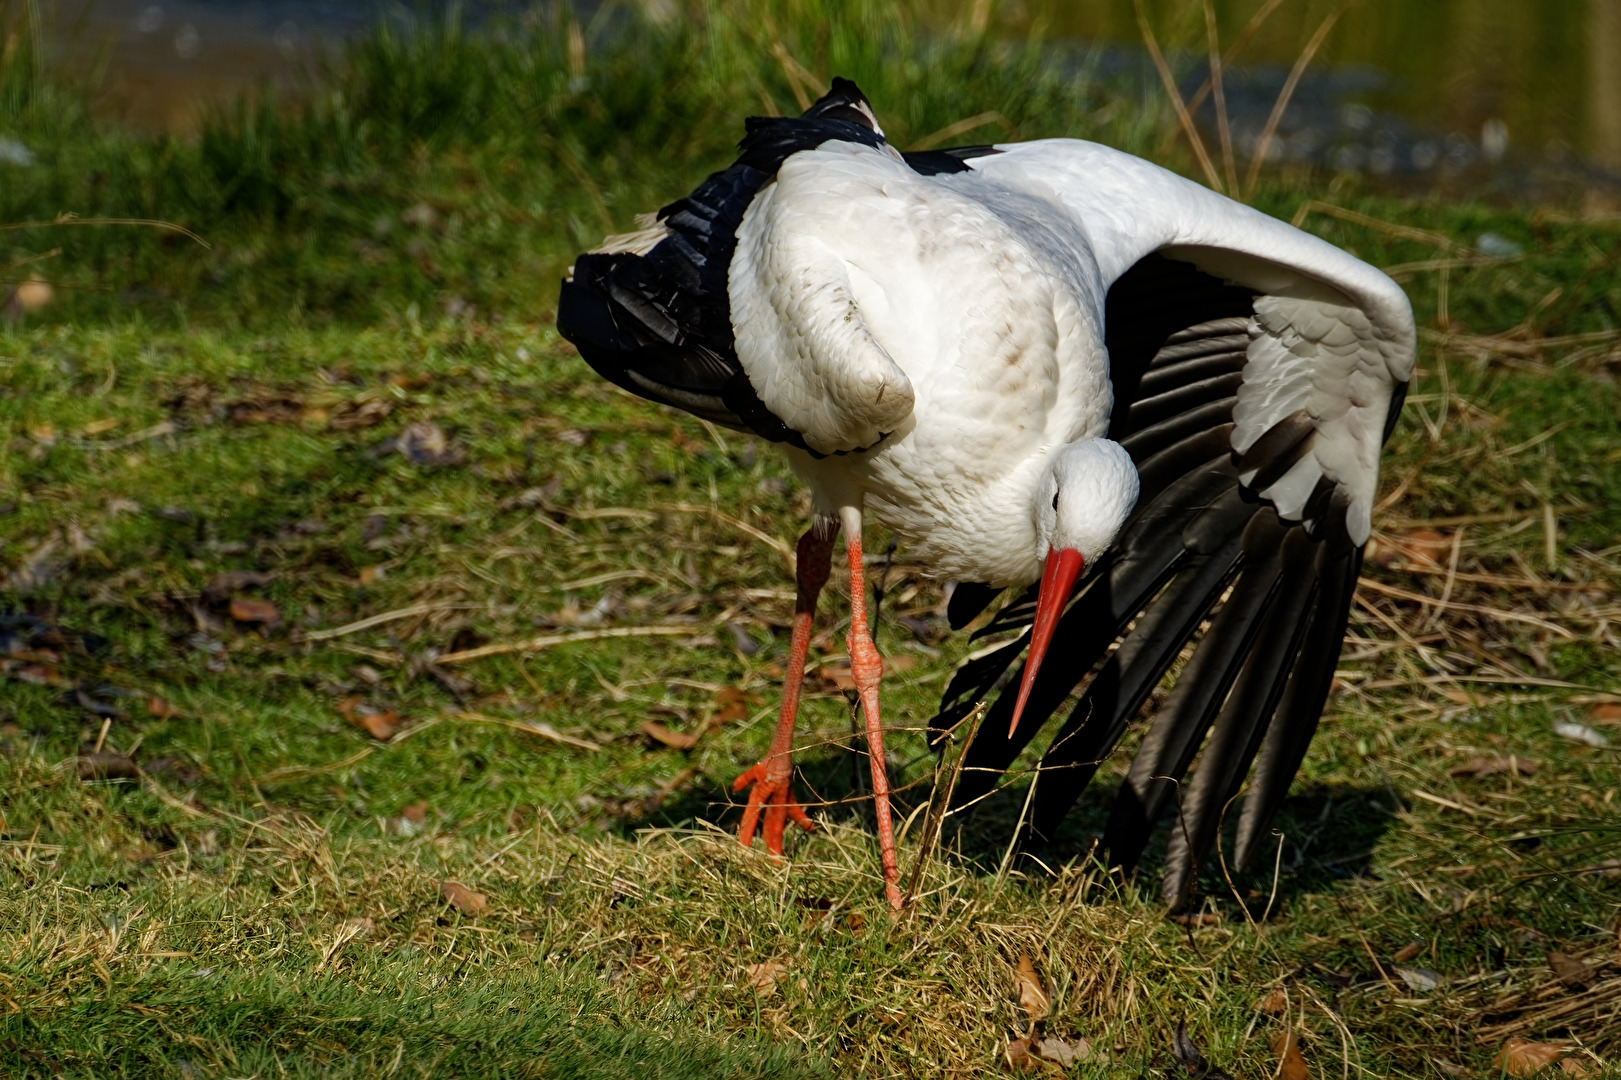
(1081, 503)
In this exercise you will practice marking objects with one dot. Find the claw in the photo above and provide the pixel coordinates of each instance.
(775, 797)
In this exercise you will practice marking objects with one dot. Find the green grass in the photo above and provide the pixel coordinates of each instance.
(186, 428)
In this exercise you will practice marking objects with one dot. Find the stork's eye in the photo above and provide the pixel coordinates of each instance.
(1055, 500)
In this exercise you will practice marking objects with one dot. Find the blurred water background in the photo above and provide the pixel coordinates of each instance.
(1513, 97)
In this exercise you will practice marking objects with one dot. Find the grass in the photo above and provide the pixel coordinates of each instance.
(213, 867)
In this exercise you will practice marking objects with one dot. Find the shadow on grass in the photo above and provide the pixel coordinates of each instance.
(1327, 836)
(1321, 837)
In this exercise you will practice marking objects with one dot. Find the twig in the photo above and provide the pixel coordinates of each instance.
(1391, 228)
(1288, 91)
(385, 617)
(937, 812)
(74, 219)
(1452, 577)
(1232, 53)
(964, 126)
(546, 641)
(532, 727)
(1223, 128)
(1472, 609)
(1175, 95)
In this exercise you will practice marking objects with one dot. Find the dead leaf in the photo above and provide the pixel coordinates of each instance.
(1197, 918)
(1605, 714)
(362, 413)
(1033, 999)
(462, 898)
(1573, 1066)
(1064, 1052)
(245, 609)
(1571, 970)
(1415, 547)
(416, 813)
(1407, 952)
(107, 766)
(1519, 1057)
(424, 442)
(33, 294)
(1019, 1056)
(732, 707)
(42, 675)
(156, 706)
(1480, 765)
(230, 582)
(1419, 980)
(1291, 1063)
(677, 740)
(100, 427)
(1275, 1003)
(764, 977)
(834, 676)
(381, 724)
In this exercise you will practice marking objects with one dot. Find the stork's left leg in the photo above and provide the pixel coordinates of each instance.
(865, 668)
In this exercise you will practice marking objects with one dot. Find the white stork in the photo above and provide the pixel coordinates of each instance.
(1039, 361)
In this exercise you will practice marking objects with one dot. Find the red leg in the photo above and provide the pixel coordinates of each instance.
(866, 667)
(772, 777)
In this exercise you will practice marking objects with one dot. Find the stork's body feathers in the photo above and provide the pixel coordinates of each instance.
(992, 349)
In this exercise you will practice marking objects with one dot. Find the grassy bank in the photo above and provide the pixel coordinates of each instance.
(267, 809)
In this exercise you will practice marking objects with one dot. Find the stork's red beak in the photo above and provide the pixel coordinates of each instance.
(1057, 579)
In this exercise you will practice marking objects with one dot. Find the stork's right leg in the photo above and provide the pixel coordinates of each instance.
(772, 777)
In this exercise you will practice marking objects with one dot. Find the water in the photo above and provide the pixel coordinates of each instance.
(1523, 94)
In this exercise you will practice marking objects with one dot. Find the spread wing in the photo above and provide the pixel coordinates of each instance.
(1257, 371)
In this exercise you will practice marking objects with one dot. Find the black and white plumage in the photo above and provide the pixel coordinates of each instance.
(1054, 360)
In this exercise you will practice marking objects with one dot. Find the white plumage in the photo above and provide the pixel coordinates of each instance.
(931, 337)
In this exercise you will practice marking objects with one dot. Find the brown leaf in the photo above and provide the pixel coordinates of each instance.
(834, 676)
(763, 978)
(1019, 1056)
(1415, 547)
(363, 413)
(228, 582)
(1407, 952)
(42, 675)
(1198, 918)
(381, 724)
(248, 610)
(1572, 1066)
(1033, 999)
(156, 706)
(1291, 1064)
(425, 443)
(731, 707)
(1519, 1057)
(107, 766)
(1481, 765)
(416, 813)
(1064, 1052)
(1275, 1003)
(1605, 714)
(462, 898)
(1571, 970)
(676, 740)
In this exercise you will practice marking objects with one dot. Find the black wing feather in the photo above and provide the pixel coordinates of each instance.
(660, 324)
(1202, 550)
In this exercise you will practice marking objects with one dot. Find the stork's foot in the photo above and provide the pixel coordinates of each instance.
(773, 793)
